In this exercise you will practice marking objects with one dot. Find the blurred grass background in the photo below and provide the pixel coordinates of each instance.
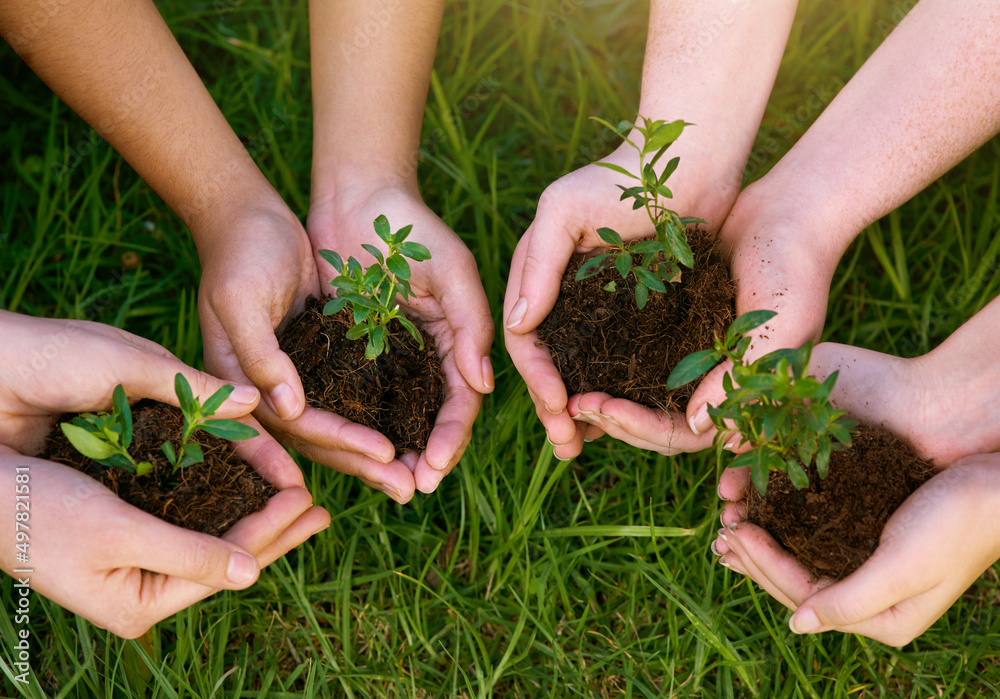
(522, 575)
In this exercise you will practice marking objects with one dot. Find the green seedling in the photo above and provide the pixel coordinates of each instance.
(371, 293)
(784, 414)
(106, 437)
(663, 256)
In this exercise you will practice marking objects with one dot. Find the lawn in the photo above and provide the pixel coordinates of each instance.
(522, 575)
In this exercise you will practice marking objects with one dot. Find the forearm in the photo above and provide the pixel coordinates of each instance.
(371, 64)
(120, 68)
(713, 64)
(928, 97)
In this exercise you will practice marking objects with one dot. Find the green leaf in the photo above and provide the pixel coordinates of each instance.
(357, 331)
(360, 314)
(759, 475)
(412, 329)
(124, 412)
(745, 323)
(142, 468)
(623, 263)
(334, 306)
(183, 390)
(88, 444)
(641, 296)
(216, 400)
(403, 233)
(800, 360)
(839, 432)
(647, 278)
(797, 474)
(617, 168)
(611, 286)
(823, 457)
(648, 246)
(398, 266)
(748, 458)
(383, 229)
(374, 252)
(229, 429)
(593, 266)
(681, 250)
(669, 169)
(691, 367)
(376, 340)
(691, 220)
(663, 190)
(610, 237)
(664, 135)
(193, 452)
(415, 251)
(334, 259)
(168, 451)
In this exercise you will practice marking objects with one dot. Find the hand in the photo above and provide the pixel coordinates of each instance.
(569, 212)
(124, 570)
(255, 277)
(935, 545)
(448, 299)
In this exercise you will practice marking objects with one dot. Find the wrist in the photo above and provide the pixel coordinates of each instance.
(348, 182)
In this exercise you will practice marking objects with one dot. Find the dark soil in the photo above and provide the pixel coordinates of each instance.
(209, 497)
(398, 394)
(834, 525)
(600, 340)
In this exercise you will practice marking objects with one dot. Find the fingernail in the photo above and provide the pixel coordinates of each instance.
(244, 395)
(609, 419)
(442, 467)
(517, 313)
(381, 458)
(731, 444)
(553, 444)
(722, 535)
(488, 374)
(554, 412)
(804, 621)
(588, 440)
(320, 530)
(701, 422)
(284, 401)
(242, 568)
(715, 551)
(722, 562)
(732, 527)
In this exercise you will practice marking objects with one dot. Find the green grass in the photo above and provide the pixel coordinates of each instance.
(521, 576)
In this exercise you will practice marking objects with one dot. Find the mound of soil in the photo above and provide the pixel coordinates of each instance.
(398, 394)
(834, 525)
(601, 341)
(209, 497)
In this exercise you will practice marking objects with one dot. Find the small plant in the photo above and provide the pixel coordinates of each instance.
(784, 414)
(371, 293)
(106, 437)
(661, 257)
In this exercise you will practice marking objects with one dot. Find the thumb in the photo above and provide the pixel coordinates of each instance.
(545, 248)
(155, 378)
(244, 344)
(709, 392)
(467, 311)
(181, 553)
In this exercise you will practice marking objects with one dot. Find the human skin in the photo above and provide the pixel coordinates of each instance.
(120, 68)
(89, 550)
(707, 83)
(378, 87)
(927, 556)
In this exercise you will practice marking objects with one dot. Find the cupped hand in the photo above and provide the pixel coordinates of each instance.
(569, 213)
(123, 569)
(257, 271)
(932, 549)
(448, 300)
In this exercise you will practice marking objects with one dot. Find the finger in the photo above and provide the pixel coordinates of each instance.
(244, 343)
(154, 377)
(539, 261)
(259, 530)
(311, 522)
(464, 304)
(329, 432)
(198, 558)
(733, 513)
(560, 428)
(640, 426)
(734, 482)
(534, 364)
(709, 392)
(451, 433)
(269, 459)
(394, 479)
(771, 566)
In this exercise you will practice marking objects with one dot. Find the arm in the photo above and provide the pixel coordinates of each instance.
(369, 95)
(695, 69)
(928, 97)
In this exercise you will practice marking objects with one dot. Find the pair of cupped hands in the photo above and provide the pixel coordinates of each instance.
(258, 274)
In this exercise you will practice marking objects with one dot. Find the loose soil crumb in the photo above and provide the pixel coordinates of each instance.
(209, 497)
(601, 341)
(834, 525)
(398, 394)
